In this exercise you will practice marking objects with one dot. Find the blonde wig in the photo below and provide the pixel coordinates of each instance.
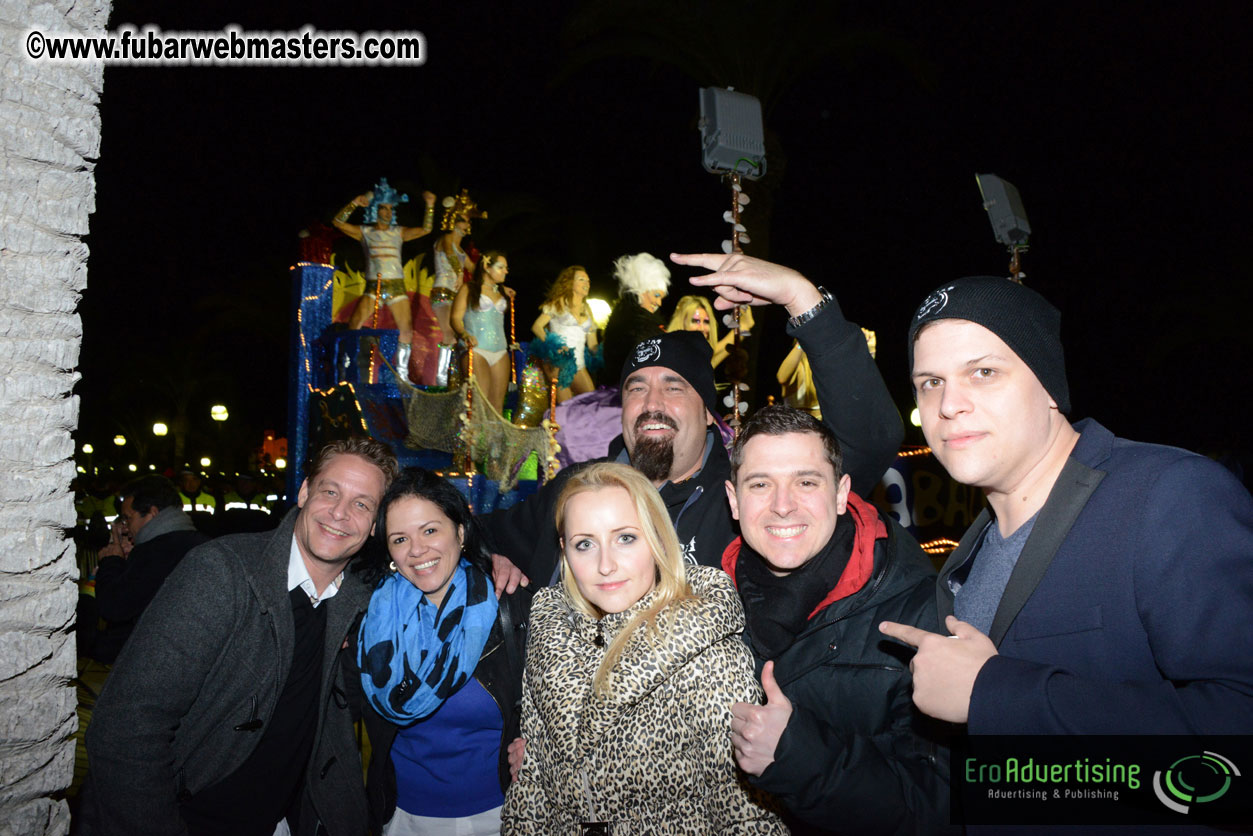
(638, 274)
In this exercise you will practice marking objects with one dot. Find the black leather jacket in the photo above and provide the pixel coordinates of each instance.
(856, 756)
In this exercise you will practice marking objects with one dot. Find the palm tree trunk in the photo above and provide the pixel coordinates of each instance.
(51, 133)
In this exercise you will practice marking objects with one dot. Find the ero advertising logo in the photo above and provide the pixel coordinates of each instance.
(1103, 780)
(1194, 779)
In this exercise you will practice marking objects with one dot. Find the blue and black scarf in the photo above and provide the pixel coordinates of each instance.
(414, 655)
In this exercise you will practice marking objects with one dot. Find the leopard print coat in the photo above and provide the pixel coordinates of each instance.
(654, 756)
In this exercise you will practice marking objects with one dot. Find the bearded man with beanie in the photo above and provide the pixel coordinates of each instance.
(668, 408)
(1107, 588)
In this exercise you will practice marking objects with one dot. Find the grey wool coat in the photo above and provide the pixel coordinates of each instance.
(199, 679)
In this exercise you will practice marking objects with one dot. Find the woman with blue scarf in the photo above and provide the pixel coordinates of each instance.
(440, 666)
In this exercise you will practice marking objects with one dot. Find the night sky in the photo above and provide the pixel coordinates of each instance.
(1125, 130)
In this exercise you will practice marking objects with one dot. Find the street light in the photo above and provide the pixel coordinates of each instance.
(218, 412)
(132, 468)
(280, 463)
(119, 440)
(159, 429)
(205, 461)
(88, 449)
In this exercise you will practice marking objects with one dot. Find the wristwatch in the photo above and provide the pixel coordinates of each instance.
(801, 318)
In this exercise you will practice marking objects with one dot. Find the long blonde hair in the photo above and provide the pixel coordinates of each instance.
(671, 584)
(683, 311)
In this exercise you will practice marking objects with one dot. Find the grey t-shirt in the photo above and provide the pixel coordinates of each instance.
(976, 600)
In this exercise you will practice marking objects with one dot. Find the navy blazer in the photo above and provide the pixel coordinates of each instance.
(1130, 609)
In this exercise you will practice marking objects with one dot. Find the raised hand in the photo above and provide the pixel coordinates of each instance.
(743, 280)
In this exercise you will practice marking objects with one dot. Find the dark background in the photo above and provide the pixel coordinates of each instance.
(1125, 128)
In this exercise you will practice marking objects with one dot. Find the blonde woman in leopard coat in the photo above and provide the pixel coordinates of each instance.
(632, 667)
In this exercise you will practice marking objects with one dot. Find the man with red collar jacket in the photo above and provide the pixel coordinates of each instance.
(838, 741)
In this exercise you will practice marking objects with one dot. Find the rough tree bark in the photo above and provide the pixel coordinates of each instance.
(49, 135)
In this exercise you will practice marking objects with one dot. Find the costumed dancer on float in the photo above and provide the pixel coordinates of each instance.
(385, 276)
(437, 666)
(694, 313)
(481, 326)
(565, 334)
(452, 264)
(643, 281)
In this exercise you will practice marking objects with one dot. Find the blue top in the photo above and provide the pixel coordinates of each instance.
(446, 765)
(486, 321)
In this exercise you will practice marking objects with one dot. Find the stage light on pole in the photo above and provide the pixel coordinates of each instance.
(218, 412)
(159, 429)
(732, 135)
(1008, 217)
(205, 461)
(88, 449)
(119, 440)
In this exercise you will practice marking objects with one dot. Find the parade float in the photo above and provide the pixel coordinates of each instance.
(347, 380)
(372, 352)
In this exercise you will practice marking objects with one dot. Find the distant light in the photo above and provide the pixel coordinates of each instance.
(600, 311)
(119, 440)
(160, 429)
(88, 449)
(132, 468)
(205, 461)
(218, 412)
(915, 418)
(82, 469)
(871, 340)
(152, 467)
(280, 463)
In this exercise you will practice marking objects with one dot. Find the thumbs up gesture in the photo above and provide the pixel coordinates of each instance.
(756, 729)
